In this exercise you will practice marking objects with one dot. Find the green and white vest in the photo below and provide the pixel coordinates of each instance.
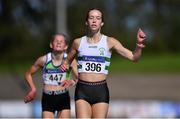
(94, 58)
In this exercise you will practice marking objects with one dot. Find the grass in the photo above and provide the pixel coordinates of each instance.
(147, 64)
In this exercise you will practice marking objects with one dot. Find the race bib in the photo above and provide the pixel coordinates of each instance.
(95, 67)
(54, 78)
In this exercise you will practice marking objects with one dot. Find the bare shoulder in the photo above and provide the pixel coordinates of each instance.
(111, 39)
(76, 42)
(112, 42)
(40, 61)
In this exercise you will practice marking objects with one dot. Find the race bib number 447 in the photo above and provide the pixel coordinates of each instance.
(55, 78)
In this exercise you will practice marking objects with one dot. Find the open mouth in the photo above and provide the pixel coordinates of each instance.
(93, 26)
(58, 46)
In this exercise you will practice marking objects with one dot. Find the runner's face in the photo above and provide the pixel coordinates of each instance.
(94, 20)
(58, 44)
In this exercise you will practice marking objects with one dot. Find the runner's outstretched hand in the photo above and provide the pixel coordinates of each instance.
(141, 36)
(30, 96)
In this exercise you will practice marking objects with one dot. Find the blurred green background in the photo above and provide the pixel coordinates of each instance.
(27, 26)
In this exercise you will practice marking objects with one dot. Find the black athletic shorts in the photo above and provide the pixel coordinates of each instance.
(55, 101)
(92, 92)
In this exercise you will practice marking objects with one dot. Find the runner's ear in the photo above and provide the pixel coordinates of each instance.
(66, 47)
(102, 23)
(50, 45)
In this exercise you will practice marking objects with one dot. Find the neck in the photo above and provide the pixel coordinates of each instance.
(57, 56)
(94, 33)
(94, 37)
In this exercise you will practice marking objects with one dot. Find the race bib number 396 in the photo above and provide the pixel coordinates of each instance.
(93, 67)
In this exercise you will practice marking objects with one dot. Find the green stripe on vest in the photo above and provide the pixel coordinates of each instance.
(107, 59)
(107, 68)
(49, 65)
(80, 58)
(79, 66)
(68, 74)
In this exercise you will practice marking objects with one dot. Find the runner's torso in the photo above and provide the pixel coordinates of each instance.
(93, 59)
(52, 75)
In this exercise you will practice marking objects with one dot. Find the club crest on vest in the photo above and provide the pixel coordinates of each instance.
(101, 50)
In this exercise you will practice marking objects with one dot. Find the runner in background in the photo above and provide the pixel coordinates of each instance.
(55, 95)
